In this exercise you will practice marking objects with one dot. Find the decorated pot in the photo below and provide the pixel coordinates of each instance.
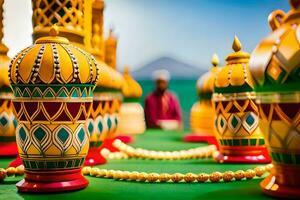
(202, 113)
(275, 65)
(104, 117)
(237, 124)
(53, 83)
(8, 122)
(132, 117)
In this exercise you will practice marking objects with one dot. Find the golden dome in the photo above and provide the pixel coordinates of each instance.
(131, 88)
(110, 78)
(275, 61)
(53, 59)
(235, 74)
(205, 84)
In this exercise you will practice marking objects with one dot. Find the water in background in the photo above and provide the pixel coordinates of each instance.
(185, 90)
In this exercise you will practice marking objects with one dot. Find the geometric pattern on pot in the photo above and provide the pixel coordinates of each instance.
(99, 131)
(55, 91)
(99, 108)
(283, 124)
(112, 123)
(115, 106)
(49, 111)
(107, 123)
(247, 121)
(236, 106)
(8, 122)
(58, 141)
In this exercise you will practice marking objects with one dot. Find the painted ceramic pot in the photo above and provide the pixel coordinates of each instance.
(202, 113)
(237, 123)
(53, 84)
(132, 117)
(275, 64)
(103, 121)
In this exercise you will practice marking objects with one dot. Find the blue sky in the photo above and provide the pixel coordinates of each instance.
(189, 30)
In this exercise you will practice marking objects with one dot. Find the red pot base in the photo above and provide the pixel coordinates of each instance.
(270, 187)
(200, 138)
(54, 181)
(8, 149)
(260, 159)
(94, 157)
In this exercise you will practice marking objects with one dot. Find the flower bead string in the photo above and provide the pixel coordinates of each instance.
(213, 177)
(11, 171)
(127, 151)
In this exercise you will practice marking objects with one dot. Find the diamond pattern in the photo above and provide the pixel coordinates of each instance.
(40, 134)
(63, 135)
(3, 121)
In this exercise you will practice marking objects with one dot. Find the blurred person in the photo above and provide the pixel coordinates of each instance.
(162, 108)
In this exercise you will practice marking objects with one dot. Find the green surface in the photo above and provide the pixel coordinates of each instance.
(154, 140)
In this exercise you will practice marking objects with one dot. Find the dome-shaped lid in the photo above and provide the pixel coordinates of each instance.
(276, 60)
(131, 88)
(110, 78)
(54, 60)
(205, 84)
(235, 75)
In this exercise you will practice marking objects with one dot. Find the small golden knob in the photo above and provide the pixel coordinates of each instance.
(236, 45)
(215, 60)
(54, 31)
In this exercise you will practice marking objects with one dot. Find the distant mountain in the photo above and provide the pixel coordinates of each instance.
(177, 69)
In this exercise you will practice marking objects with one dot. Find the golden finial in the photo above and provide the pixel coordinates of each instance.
(236, 45)
(215, 60)
(295, 4)
(237, 56)
(54, 31)
(126, 70)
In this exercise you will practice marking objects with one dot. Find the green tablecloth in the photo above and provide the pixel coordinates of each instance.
(154, 140)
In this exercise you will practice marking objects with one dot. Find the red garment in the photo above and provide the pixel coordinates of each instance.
(161, 107)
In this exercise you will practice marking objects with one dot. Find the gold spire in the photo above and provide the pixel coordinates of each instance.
(54, 31)
(236, 45)
(215, 60)
(238, 56)
(111, 50)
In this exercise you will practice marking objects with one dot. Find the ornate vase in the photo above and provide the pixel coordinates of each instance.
(132, 118)
(53, 84)
(202, 113)
(237, 124)
(8, 122)
(275, 65)
(103, 121)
